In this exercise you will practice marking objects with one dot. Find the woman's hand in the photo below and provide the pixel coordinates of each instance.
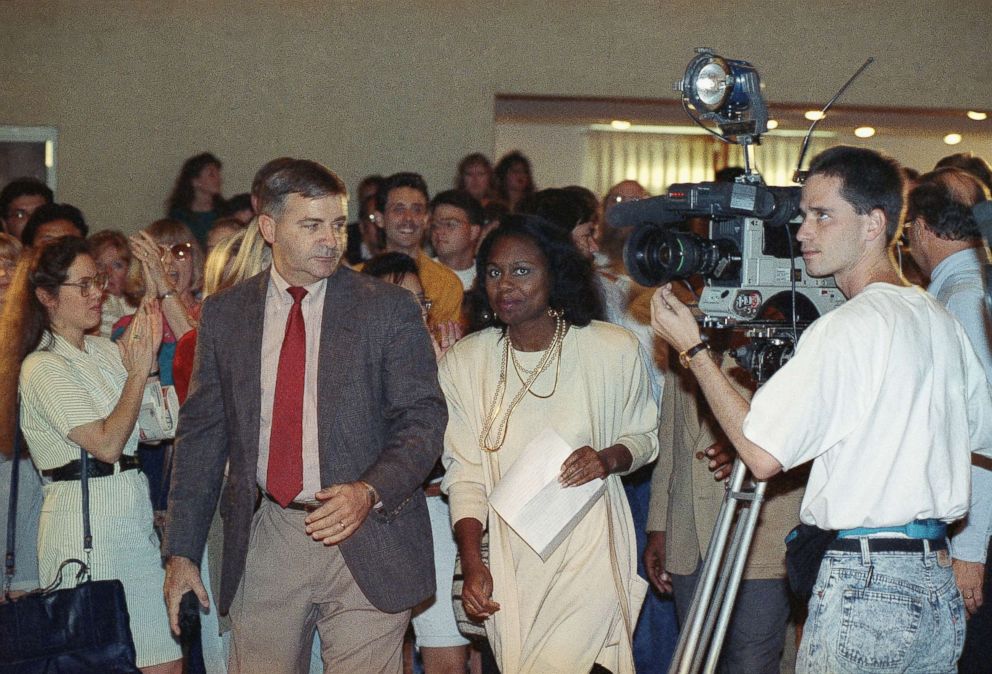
(147, 252)
(477, 591)
(140, 342)
(444, 336)
(583, 465)
(672, 320)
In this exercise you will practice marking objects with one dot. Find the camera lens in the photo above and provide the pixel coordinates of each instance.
(656, 255)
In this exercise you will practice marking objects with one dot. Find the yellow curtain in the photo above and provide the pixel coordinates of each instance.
(657, 160)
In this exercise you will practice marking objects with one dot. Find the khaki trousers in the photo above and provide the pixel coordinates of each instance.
(292, 586)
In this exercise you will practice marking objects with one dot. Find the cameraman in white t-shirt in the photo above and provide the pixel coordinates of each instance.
(887, 398)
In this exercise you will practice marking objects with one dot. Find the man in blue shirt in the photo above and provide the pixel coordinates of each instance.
(946, 244)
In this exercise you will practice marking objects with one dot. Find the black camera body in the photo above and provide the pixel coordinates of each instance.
(750, 261)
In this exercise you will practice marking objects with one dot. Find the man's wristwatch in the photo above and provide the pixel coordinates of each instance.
(374, 502)
(685, 357)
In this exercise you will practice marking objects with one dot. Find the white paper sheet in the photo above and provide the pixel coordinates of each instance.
(533, 503)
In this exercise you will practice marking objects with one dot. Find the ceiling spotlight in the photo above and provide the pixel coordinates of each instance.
(952, 138)
(813, 115)
(620, 124)
(977, 116)
(772, 124)
(864, 132)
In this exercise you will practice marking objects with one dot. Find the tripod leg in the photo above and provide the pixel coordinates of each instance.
(709, 645)
(689, 638)
(742, 543)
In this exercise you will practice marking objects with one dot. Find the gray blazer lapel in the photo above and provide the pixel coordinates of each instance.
(248, 361)
(338, 338)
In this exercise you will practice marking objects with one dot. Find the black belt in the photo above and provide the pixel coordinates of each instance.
(293, 505)
(97, 468)
(888, 544)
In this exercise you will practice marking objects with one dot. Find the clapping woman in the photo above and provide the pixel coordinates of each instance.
(543, 361)
(80, 391)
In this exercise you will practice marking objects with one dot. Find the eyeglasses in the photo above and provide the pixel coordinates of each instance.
(180, 251)
(85, 285)
(448, 225)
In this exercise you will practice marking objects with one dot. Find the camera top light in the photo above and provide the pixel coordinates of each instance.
(711, 85)
(708, 81)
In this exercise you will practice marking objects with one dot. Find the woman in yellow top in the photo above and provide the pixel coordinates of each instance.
(544, 361)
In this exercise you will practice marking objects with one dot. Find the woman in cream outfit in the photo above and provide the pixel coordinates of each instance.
(586, 380)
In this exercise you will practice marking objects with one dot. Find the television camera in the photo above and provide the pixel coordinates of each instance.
(755, 278)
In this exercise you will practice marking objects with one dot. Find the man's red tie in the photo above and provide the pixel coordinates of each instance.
(284, 479)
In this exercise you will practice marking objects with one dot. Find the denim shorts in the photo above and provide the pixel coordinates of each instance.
(883, 612)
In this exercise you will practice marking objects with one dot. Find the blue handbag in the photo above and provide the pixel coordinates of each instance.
(66, 631)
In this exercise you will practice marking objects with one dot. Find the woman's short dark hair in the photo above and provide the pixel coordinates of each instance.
(562, 207)
(573, 283)
(391, 266)
(181, 198)
(50, 213)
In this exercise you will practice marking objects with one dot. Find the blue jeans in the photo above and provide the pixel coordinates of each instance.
(883, 612)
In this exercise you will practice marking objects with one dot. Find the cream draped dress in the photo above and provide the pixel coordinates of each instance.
(581, 605)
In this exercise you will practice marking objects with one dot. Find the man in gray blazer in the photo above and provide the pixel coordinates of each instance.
(319, 386)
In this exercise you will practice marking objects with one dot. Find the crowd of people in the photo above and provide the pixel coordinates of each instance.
(351, 395)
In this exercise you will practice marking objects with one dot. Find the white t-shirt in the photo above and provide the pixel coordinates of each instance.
(886, 396)
(466, 276)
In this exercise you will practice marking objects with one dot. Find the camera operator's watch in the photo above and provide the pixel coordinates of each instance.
(685, 357)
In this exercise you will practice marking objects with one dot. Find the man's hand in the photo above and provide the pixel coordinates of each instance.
(181, 576)
(654, 562)
(721, 455)
(969, 577)
(673, 321)
(344, 509)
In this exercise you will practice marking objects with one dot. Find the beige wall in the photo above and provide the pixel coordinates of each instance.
(135, 86)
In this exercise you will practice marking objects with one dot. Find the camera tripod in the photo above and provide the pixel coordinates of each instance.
(705, 628)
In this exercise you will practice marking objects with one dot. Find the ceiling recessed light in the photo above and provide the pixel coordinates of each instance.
(813, 115)
(864, 132)
(977, 116)
(952, 138)
(620, 124)
(772, 123)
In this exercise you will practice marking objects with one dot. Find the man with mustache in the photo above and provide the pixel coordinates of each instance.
(328, 410)
(404, 204)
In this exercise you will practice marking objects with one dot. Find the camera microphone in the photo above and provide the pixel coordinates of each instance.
(655, 210)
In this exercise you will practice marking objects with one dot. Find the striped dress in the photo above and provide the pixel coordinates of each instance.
(62, 388)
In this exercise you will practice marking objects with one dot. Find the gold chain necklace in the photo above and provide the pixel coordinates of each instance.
(518, 368)
(553, 349)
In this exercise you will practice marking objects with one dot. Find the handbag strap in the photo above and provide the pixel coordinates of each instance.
(84, 465)
(9, 565)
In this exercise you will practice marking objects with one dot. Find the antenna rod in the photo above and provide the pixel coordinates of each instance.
(823, 113)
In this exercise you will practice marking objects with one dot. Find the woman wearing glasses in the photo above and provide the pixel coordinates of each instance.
(81, 391)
